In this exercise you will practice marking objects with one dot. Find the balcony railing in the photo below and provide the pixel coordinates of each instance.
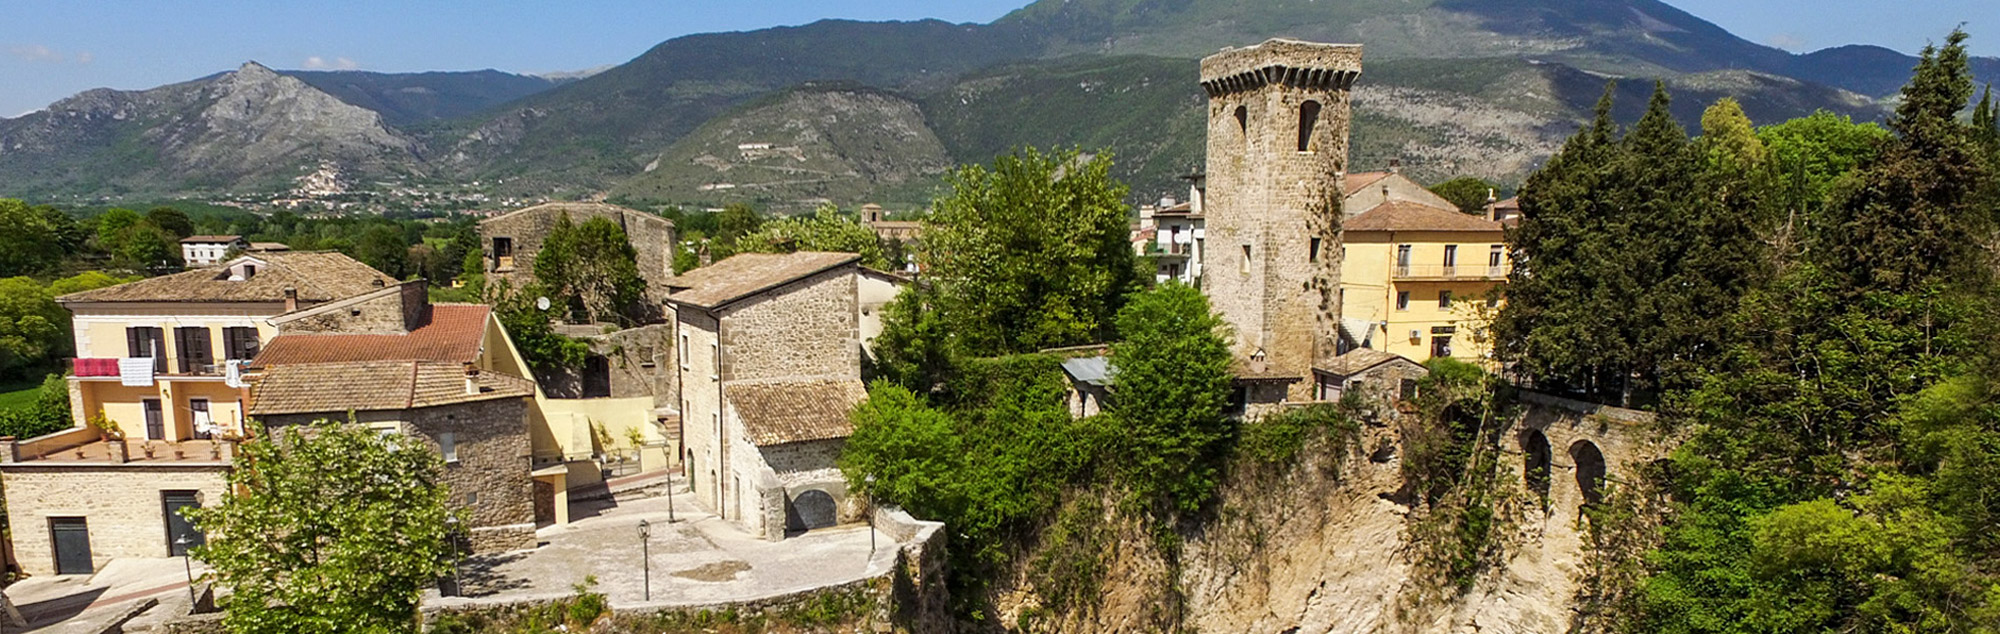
(1450, 272)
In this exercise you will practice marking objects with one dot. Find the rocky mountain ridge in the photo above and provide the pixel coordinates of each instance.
(1114, 74)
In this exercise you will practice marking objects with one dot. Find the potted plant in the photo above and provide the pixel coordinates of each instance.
(107, 429)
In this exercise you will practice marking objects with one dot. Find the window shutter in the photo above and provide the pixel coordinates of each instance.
(181, 346)
(133, 338)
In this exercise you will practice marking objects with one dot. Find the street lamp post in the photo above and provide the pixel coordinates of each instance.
(870, 492)
(451, 532)
(646, 555)
(187, 563)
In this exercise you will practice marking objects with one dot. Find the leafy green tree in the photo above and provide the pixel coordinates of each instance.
(1840, 473)
(1468, 193)
(33, 329)
(328, 528)
(592, 269)
(824, 230)
(1031, 253)
(111, 223)
(173, 220)
(547, 352)
(1172, 383)
(30, 244)
(1816, 150)
(914, 349)
(384, 249)
(1558, 323)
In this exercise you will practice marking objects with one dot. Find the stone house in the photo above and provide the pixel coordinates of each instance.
(1372, 373)
(511, 240)
(476, 421)
(770, 363)
(207, 250)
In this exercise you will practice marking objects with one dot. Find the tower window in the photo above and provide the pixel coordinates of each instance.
(1312, 254)
(1245, 264)
(1308, 117)
(1243, 119)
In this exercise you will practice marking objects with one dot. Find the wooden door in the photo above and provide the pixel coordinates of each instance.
(156, 422)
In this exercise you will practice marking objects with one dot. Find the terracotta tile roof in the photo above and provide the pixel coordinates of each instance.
(1359, 360)
(1358, 180)
(319, 276)
(453, 334)
(747, 274)
(1397, 215)
(794, 411)
(194, 239)
(336, 388)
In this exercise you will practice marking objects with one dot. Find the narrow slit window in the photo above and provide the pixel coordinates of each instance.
(1244, 267)
(1242, 119)
(1312, 252)
(1308, 118)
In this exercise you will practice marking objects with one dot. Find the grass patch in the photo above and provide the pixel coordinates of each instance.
(19, 394)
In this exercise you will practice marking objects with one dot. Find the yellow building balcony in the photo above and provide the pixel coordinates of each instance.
(1449, 273)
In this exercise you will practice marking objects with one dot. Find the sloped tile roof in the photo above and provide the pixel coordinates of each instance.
(335, 388)
(319, 276)
(776, 413)
(1354, 182)
(215, 238)
(747, 274)
(1359, 360)
(453, 334)
(1397, 215)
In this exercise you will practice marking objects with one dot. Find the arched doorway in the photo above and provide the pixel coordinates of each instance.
(1589, 471)
(811, 509)
(1536, 462)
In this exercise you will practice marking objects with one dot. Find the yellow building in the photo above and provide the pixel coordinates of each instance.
(155, 355)
(1420, 281)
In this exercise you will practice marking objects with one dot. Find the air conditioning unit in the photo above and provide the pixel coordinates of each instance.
(1416, 334)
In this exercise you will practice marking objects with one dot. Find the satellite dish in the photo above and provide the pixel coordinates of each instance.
(542, 303)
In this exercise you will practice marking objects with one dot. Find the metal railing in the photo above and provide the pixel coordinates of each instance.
(1450, 272)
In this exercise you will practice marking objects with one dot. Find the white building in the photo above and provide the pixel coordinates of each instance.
(1173, 233)
(208, 250)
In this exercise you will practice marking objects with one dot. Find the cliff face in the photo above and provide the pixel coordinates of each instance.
(1326, 543)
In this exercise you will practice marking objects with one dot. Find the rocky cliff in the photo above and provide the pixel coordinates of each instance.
(248, 128)
(1337, 540)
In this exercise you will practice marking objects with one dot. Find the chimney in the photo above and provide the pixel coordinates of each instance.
(291, 299)
(377, 282)
(471, 378)
(1395, 166)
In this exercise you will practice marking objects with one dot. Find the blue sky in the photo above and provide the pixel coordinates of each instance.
(50, 49)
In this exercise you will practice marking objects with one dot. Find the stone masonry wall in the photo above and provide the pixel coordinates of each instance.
(641, 361)
(805, 329)
(121, 504)
(383, 312)
(652, 237)
(1273, 200)
(490, 479)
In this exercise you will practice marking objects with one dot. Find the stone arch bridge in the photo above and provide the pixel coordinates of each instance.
(1570, 450)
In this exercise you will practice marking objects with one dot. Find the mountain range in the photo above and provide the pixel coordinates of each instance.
(851, 111)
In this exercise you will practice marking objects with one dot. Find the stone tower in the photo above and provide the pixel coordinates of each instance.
(1277, 151)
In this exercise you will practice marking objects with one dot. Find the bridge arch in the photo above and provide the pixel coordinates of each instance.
(1590, 470)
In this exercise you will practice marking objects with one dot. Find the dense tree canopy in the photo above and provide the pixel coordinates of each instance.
(328, 528)
(825, 230)
(1030, 253)
(592, 270)
(1469, 193)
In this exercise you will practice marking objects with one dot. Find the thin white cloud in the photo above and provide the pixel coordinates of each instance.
(84, 57)
(1787, 41)
(338, 63)
(35, 53)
